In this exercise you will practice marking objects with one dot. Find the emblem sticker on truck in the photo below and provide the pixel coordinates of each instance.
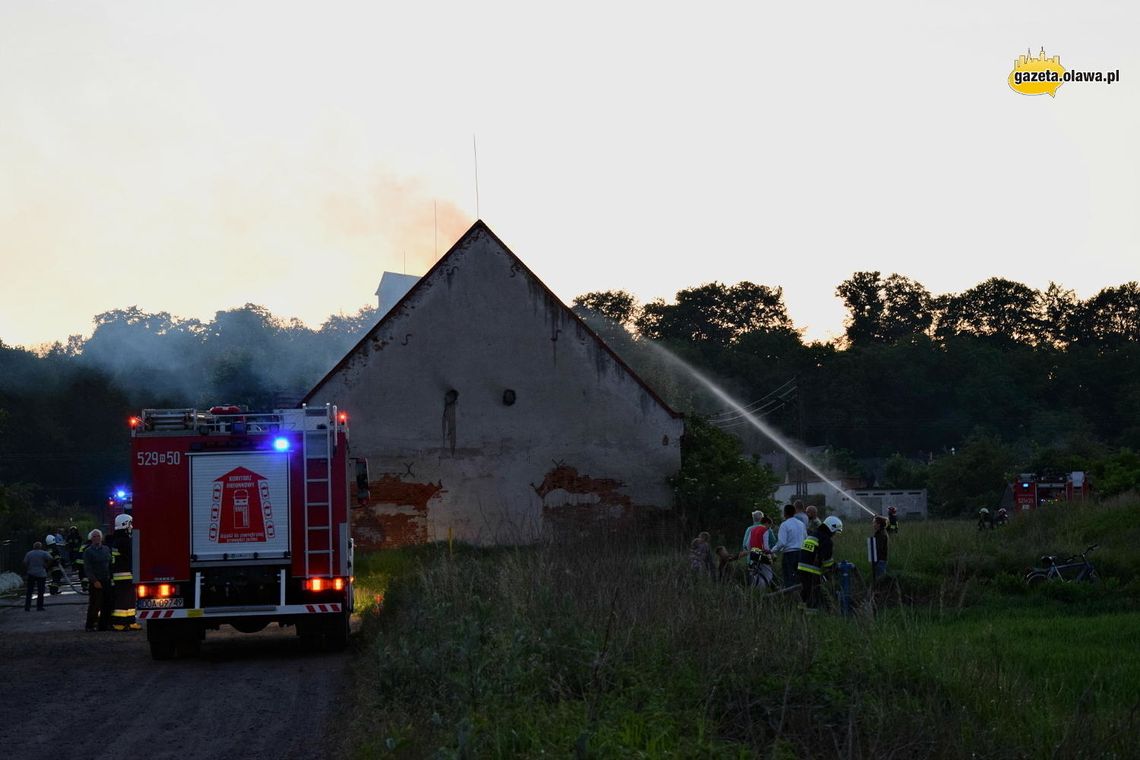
(240, 508)
(239, 505)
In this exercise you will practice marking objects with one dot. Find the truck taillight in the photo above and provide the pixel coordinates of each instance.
(324, 584)
(160, 590)
(142, 592)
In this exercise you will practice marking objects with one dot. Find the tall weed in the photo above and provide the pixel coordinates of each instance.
(605, 648)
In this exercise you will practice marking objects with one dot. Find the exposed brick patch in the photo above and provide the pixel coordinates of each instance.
(390, 489)
(593, 504)
(375, 528)
(566, 478)
(384, 521)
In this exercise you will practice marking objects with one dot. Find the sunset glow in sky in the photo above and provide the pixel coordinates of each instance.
(193, 157)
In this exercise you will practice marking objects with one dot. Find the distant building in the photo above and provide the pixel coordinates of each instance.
(489, 412)
(392, 288)
(909, 502)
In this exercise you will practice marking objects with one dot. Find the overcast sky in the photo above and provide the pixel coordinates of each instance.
(191, 157)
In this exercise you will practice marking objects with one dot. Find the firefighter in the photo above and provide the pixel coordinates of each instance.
(984, 519)
(1002, 517)
(122, 582)
(74, 543)
(80, 565)
(892, 520)
(53, 548)
(817, 558)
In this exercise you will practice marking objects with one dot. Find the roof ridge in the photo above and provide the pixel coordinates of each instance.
(477, 226)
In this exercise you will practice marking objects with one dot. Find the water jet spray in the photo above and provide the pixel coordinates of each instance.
(743, 412)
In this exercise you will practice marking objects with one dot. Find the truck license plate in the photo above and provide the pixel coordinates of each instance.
(160, 604)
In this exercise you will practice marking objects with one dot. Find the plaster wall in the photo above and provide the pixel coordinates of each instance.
(486, 411)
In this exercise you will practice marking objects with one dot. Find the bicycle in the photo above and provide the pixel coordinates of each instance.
(1074, 569)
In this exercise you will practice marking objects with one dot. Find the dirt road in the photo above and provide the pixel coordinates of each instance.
(65, 692)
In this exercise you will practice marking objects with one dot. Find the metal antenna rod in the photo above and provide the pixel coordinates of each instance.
(475, 150)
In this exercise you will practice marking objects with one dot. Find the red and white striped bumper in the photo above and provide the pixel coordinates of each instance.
(323, 607)
(232, 612)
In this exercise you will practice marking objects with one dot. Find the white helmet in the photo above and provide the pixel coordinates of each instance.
(123, 521)
(50, 540)
(834, 524)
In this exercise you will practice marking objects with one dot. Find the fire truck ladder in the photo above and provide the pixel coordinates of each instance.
(318, 445)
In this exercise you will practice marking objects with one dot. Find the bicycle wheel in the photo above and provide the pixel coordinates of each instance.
(1035, 579)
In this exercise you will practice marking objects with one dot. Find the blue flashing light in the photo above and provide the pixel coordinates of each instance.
(121, 494)
(1025, 485)
(281, 444)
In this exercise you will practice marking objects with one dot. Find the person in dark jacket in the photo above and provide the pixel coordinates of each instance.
(877, 546)
(816, 558)
(122, 580)
(36, 564)
(74, 543)
(97, 566)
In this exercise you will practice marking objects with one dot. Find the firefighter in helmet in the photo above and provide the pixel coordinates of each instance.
(53, 547)
(122, 582)
(985, 520)
(817, 558)
(892, 520)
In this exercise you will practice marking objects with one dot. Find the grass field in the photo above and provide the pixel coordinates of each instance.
(602, 649)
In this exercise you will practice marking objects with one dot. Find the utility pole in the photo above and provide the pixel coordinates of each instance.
(801, 472)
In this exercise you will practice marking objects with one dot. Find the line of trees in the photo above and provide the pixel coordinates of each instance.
(1005, 376)
(64, 407)
(1048, 379)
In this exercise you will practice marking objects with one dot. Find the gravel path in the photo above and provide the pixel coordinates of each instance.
(65, 692)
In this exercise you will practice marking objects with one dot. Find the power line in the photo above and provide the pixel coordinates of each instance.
(765, 405)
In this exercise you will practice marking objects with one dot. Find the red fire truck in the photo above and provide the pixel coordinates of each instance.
(241, 518)
(1031, 490)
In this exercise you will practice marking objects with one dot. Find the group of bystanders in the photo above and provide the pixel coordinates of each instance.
(804, 544)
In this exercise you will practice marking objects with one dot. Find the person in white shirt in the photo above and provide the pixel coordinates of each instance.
(789, 540)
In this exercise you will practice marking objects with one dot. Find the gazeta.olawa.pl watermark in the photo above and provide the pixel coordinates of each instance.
(1043, 76)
